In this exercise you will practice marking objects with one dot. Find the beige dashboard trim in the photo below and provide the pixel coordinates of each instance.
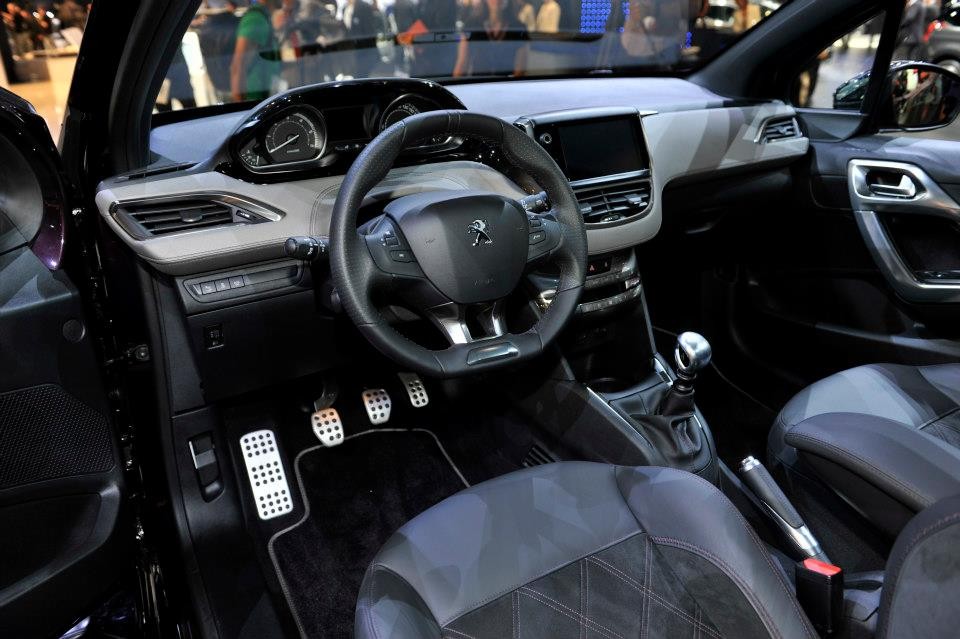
(306, 206)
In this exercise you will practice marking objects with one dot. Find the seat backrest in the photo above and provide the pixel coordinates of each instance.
(922, 585)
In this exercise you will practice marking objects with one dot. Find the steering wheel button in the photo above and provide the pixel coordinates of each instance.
(537, 236)
(401, 256)
(535, 222)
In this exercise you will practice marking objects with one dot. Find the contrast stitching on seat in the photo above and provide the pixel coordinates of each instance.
(459, 633)
(567, 611)
(647, 567)
(583, 608)
(515, 624)
(756, 541)
(936, 419)
(647, 592)
(855, 457)
(719, 563)
(911, 546)
(485, 600)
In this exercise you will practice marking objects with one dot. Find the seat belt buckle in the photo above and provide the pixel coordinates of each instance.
(820, 592)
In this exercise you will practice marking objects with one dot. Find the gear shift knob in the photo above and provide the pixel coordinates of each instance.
(692, 353)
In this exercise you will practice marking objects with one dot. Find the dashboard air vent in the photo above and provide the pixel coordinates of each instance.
(148, 219)
(613, 202)
(779, 129)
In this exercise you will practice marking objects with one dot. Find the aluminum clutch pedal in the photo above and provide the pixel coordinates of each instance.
(416, 391)
(268, 483)
(327, 426)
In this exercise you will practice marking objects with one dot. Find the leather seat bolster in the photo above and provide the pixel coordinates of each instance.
(684, 511)
(389, 606)
(900, 460)
(922, 582)
(543, 518)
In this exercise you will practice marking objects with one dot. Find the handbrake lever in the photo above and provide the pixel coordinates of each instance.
(755, 475)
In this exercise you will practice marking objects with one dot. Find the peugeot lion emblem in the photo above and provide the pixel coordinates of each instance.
(482, 232)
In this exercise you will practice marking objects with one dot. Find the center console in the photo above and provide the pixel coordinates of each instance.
(612, 395)
(603, 154)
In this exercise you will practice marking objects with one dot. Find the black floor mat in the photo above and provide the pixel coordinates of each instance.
(358, 493)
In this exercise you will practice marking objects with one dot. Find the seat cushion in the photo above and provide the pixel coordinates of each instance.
(579, 549)
(886, 437)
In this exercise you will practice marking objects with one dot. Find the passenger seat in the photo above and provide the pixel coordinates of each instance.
(884, 437)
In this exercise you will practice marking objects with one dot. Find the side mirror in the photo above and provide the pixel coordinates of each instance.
(920, 96)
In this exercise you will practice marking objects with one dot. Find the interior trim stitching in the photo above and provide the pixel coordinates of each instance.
(647, 592)
(719, 563)
(844, 454)
(568, 612)
(933, 528)
(482, 602)
(728, 505)
(936, 419)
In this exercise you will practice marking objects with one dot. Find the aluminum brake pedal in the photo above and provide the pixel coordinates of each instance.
(327, 426)
(378, 403)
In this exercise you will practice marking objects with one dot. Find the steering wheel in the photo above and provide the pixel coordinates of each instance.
(447, 254)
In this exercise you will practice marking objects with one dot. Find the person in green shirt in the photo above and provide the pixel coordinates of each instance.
(251, 72)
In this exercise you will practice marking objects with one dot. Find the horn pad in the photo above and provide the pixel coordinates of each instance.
(471, 245)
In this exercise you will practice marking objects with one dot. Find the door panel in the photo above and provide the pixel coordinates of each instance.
(881, 192)
(60, 472)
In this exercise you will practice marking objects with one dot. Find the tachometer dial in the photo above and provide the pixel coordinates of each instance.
(398, 112)
(294, 138)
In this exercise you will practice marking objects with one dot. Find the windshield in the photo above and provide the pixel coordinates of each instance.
(250, 49)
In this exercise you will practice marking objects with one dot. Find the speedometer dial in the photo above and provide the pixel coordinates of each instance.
(295, 138)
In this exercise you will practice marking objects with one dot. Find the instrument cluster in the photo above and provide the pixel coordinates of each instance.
(322, 128)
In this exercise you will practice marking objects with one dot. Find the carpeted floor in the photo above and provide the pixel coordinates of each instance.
(358, 494)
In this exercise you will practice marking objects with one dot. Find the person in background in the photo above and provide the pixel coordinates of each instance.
(361, 24)
(910, 33)
(746, 16)
(548, 17)
(526, 14)
(494, 46)
(71, 14)
(252, 70)
(218, 40)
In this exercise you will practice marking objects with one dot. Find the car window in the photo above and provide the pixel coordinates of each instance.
(238, 50)
(838, 77)
(38, 50)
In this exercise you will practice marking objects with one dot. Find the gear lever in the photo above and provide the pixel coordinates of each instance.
(691, 354)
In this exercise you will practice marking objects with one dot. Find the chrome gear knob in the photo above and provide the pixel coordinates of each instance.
(692, 353)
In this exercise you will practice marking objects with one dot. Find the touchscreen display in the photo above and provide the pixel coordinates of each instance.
(598, 148)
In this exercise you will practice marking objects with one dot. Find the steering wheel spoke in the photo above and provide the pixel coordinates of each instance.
(544, 238)
(390, 250)
(452, 320)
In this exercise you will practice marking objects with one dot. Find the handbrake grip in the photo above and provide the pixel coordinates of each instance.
(785, 516)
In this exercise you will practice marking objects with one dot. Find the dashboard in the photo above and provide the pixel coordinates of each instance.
(211, 217)
(227, 190)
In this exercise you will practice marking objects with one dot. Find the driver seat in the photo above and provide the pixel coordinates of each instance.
(579, 549)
